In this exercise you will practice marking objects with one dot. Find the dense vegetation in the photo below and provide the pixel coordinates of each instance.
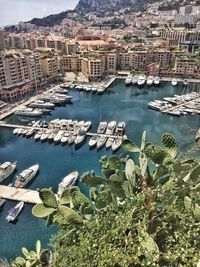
(142, 213)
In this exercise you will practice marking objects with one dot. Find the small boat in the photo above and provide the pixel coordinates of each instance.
(86, 126)
(30, 133)
(68, 181)
(58, 136)
(15, 131)
(6, 169)
(176, 113)
(101, 141)
(109, 142)
(71, 138)
(44, 136)
(102, 127)
(80, 138)
(14, 212)
(141, 79)
(65, 138)
(26, 176)
(116, 144)
(41, 104)
(174, 82)
(38, 135)
(157, 80)
(135, 79)
(150, 80)
(111, 127)
(2, 202)
(129, 79)
(30, 112)
(93, 141)
(120, 128)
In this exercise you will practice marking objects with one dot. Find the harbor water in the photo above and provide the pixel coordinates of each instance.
(119, 102)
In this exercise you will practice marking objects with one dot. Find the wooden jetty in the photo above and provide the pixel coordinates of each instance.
(19, 194)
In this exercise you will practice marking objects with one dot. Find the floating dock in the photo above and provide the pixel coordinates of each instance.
(19, 194)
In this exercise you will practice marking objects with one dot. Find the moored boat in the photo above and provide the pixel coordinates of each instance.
(14, 212)
(26, 176)
(6, 169)
(29, 112)
(157, 80)
(150, 80)
(93, 141)
(174, 82)
(116, 144)
(141, 79)
(67, 181)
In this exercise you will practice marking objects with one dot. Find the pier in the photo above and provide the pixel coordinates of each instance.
(13, 126)
(19, 194)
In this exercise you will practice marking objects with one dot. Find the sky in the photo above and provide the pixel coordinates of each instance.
(13, 11)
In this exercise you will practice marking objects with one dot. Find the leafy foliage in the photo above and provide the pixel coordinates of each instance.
(142, 213)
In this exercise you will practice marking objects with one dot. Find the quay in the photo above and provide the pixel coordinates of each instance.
(19, 194)
(13, 126)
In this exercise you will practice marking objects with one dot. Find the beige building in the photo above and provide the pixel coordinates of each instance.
(50, 67)
(186, 67)
(111, 62)
(70, 63)
(4, 40)
(93, 68)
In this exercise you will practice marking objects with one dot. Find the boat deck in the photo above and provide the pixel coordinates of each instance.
(19, 194)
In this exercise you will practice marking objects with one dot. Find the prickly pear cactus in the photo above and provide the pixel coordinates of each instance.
(169, 143)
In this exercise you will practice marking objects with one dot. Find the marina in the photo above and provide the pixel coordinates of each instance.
(118, 103)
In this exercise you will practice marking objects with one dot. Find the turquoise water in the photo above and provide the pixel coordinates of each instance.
(122, 103)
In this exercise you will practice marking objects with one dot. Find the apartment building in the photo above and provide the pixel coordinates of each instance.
(93, 68)
(4, 40)
(14, 92)
(186, 67)
(111, 62)
(70, 63)
(50, 67)
(2, 70)
(181, 35)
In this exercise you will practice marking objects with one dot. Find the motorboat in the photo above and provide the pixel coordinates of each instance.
(15, 131)
(14, 212)
(38, 135)
(150, 80)
(111, 127)
(100, 90)
(6, 169)
(120, 128)
(71, 138)
(30, 133)
(20, 131)
(2, 202)
(41, 104)
(44, 136)
(65, 138)
(58, 136)
(135, 79)
(116, 144)
(80, 138)
(174, 82)
(141, 79)
(86, 126)
(102, 127)
(176, 113)
(93, 141)
(26, 176)
(157, 80)
(101, 141)
(109, 142)
(67, 181)
(129, 79)
(28, 112)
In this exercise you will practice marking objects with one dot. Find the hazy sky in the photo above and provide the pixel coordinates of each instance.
(13, 11)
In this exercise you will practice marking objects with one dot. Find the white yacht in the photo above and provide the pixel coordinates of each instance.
(150, 80)
(38, 135)
(141, 79)
(71, 138)
(28, 112)
(116, 144)
(129, 79)
(174, 82)
(80, 138)
(41, 104)
(102, 127)
(44, 136)
(6, 169)
(86, 126)
(135, 79)
(111, 127)
(109, 142)
(120, 128)
(68, 181)
(93, 141)
(157, 80)
(58, 136)
(14, 212)
(101, 141)
(65, 138)
(26, 176)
